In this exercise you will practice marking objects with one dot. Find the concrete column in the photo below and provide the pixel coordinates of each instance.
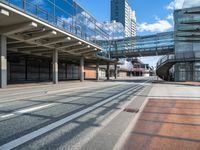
(82, 69)
(115, 71)
(108, 71)
(97, 71)
(55, 66)
(3, 61)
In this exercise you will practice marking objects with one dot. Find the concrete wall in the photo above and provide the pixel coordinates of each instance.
(187, 71)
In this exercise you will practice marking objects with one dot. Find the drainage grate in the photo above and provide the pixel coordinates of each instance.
(131, 110)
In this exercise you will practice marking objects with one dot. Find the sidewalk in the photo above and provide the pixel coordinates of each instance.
(188, 83)
(169, 121)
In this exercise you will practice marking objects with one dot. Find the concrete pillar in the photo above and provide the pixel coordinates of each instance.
(97, 71)
(82, 69)
(108, 71)
(55, 66)
(115, 71)
(3, 61)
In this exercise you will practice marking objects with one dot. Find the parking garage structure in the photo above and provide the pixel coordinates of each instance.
(39, 45)
(55, 40)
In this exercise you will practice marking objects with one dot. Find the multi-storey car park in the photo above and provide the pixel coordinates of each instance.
(54, 40)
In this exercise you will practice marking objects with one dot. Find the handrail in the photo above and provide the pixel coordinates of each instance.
(182, 56)
(59, 22)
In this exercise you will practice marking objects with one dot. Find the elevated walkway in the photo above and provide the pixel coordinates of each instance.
(140, 46)
(32, 30)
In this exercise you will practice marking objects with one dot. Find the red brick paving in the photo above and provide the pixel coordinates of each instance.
(192, 83)
(167, 125)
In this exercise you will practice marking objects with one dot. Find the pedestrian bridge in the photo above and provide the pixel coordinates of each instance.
(140, 46)
(40, 32)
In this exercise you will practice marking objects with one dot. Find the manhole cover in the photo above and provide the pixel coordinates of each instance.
(131, 110)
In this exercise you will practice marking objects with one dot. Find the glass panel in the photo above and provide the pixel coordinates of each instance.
(65, 14)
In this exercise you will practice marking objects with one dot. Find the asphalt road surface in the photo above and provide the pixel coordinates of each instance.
(63, 119)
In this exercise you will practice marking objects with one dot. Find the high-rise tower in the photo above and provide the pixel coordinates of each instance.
(123, 13)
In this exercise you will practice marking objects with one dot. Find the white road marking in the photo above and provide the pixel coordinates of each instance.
(20, 112)
(91, 134)
(44, 93)
(22, 93)
(43, 130)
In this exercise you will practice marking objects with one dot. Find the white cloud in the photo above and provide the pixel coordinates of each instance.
(159, 26)
(170, 17)
(175, 4)
(179, 4)
(171, 5)
(191, 3)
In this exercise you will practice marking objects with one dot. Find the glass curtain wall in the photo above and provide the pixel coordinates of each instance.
(187, 42)
(65, 14)
(142, 42)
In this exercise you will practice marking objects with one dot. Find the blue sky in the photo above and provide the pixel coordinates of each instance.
(153, 16)
(148, 12)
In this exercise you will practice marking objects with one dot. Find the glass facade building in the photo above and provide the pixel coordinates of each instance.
(187, 43)
(64, 14)
(123, 13)
(70, 17)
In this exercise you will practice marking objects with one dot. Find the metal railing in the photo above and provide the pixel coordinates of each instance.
(179, 57)
(165, 59)
(69, 24)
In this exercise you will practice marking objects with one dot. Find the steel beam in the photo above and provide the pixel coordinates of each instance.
(97, 71)
(40, 35)
(55, 66)
(75, 50)
(82, 69)
(67, 45)
(20, 45)
(56, 40)
(16, 28)
(108, 71)
(3, 61)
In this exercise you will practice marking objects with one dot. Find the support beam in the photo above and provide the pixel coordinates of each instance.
(20, 45)
(67, 45)
(82, 69)
(40, 35)
(33, 49)
(16, 28)
(91, 53)
(55, 66)
(3, 61)
(97, 71)
(45, 51)
(91, 50)
(77, 49)
(108, 71)
(56, 40)
(12, 41)
(115, 71)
